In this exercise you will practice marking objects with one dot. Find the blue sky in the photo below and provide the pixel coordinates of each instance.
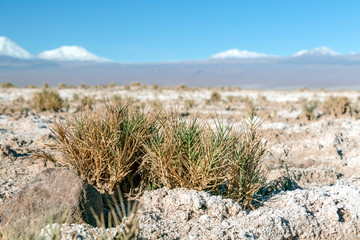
(172, 30)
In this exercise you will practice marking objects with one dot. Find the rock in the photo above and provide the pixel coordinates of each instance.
(49, 195)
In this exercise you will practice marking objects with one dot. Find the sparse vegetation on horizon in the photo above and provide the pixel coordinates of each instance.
(47, 100)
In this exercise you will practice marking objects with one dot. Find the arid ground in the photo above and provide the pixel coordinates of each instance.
(312, 135)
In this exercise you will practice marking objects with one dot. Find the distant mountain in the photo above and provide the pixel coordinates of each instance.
(11, 49)
(70, 53)
(320, 51)
(319, 67)
(236, 53)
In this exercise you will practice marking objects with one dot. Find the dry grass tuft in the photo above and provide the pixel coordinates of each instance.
(103, 148)
(308, 109)
(214, 98)
(195, 155)
(114, 147)
(47, 100)
(6, 85)
(337, 106)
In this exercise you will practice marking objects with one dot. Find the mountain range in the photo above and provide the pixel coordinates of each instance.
(319, 67)
(65, 53)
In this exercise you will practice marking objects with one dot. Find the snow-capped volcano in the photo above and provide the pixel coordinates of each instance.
(11, 49)
(70, 53)
(320, 51)
(236, 53)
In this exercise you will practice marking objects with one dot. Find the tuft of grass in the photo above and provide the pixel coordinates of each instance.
(308, 109)
(87, 103)
(247, 175)
(114, 147)
(185, 154)
(7, 85)
(195, 155)
(214, 98)
(337, 106)
(103, 148)
(62, 85)
(47, 100)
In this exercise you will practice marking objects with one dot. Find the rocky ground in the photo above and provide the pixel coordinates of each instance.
(313, 165)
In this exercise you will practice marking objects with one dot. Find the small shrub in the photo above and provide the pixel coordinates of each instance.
(30, 86)
(308, 109)
(111, 85)
(102, 148)
(214, 98)
(75, 97)
(194, 155)
(87, 103)
(134, 84)
(182, 87)
(83, 86)
(7, 85)
(62, 86)
(47, 101)
(189, 104)
(337, 106)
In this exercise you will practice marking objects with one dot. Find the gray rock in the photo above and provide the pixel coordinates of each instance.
(49, 195)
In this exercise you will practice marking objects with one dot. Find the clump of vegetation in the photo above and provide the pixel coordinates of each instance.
(30, 86)
(7, 85)
(193, 154)
(215, 97)
(87, 103)
(109, 148)
(47, 100)
(337, 106)
(111, 85)
(103, 148)
(62, 86)
(308, 109)
(189, 104)
(182, 87)
(134, 84)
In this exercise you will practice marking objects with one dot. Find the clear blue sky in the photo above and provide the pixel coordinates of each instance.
(152, 30)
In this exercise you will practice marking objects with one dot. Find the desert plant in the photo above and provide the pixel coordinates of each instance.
(87, 103)
(111, 85)
(194, 155)
(182, 155)
(247, 175)
(62, 86)
(30, 86)
(308, 109)
(182, 87)
(337, 106)
(102, 148)
(7, 85)
(47, 101)
(214, 98)
(134, 84)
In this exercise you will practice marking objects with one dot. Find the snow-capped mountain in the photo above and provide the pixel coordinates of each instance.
(320, 51)
(70, 53)
(236, 53)
(11, 49)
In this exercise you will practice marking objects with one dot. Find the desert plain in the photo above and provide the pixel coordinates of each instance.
(312, 161)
